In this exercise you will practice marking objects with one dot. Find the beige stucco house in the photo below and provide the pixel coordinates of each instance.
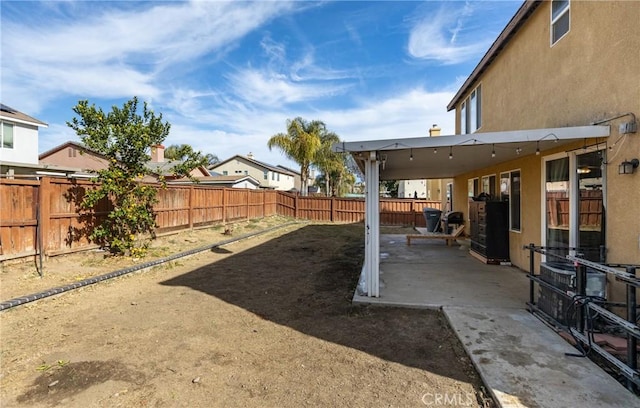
(545, 123)
(274, 177)
(560, 64)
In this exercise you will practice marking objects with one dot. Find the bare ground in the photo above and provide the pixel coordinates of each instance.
(265, 321)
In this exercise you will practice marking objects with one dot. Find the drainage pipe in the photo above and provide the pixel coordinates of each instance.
(90, 281)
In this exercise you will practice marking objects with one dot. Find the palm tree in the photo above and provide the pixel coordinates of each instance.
(329, 162)
(181, 152)
(300, 144)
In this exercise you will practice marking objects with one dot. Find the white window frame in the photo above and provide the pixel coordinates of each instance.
(488, 177)
(476, 183)
(566, 10)
(510, 194)
(573, 194)
(13, 135)
(471, 106)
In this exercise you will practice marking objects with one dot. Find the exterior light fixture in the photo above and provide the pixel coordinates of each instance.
(538, 148)
(450, 152)
(518, 150)
(628, 166)
(411, 155)
(493, 150)
(435, 151)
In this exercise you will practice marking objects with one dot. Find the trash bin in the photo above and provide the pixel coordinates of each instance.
(432, 217)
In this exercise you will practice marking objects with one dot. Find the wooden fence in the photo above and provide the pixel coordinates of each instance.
(45, 213)
(338, 209)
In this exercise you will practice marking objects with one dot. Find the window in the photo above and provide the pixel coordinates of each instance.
(266, 175)
(472, 187)
(7, 135)
(510, 191)
(225, 173)
(560, 19)
(278, 176)
(273, 176)
(246, 172)
(471, 112)
(489, 186)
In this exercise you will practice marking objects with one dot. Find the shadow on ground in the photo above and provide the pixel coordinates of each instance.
(305, 280)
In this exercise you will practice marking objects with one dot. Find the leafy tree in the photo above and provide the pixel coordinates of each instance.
(188, 158)
(390, 186)
(300, 144)
(125, 137)
(329, 162)
(184, 151)
(211, 159)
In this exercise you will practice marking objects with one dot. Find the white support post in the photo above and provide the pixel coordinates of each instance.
(372, 226)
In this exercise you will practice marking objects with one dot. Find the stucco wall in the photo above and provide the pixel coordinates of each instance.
(591, 74)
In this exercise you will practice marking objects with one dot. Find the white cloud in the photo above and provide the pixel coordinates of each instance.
(442, 37)
(120, 53)
(266, 88)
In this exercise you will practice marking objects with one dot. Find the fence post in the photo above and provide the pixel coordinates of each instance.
(248, 199)
(44, 207)
(264, 204)
(224, 205)
(632, 342)
(413, 213)
(333, 209)
(295, 206)
(191, 190)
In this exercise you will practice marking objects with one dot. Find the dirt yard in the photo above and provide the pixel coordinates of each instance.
(265, 321)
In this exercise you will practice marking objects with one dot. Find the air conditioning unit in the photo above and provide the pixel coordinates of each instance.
(563, 277)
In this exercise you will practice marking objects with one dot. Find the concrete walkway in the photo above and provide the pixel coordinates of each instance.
(521, 360)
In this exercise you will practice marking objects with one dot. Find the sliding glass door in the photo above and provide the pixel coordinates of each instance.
(557, 198)
(574, 210)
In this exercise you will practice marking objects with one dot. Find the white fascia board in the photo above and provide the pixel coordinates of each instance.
(514, 136)
(23, 122)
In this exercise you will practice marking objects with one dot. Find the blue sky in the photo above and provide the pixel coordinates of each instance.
(227, 75)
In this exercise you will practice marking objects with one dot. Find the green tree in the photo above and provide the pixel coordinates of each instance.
(300, 144)
(329, 162)
(211, 159)
(390, 187)
(125, 137)
(188, 158)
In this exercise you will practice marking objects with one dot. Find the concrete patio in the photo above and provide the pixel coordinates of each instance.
(520, 359)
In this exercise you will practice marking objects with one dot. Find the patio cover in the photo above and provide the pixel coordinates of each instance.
(441, 157)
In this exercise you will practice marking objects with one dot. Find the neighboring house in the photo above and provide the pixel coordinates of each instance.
(18, 141)
(545, 122)
(76, 155)
(412, 189)
(298, 179)
(159, 166)
(277, 178)
(237, 181)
